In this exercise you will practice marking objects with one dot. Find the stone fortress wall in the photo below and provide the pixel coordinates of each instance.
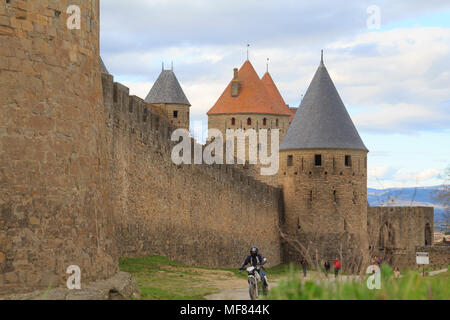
(86, 174)
(54, 177)
(257, 122)
(85, 170)
(195, 214)
(325, 202)
(399, 232)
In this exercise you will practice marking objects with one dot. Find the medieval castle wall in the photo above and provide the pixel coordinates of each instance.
(396, 232)
(257, 122)
(195, 214)
(54, 180)
(325, 202)
(86, 174)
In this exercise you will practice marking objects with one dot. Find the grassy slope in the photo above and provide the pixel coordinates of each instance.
(162, 279)
(410, 287)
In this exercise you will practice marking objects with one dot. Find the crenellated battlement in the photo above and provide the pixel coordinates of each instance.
(133, 116)
(86, 174)
(186, 212)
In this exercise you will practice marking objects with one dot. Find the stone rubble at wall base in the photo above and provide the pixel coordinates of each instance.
(120, 287)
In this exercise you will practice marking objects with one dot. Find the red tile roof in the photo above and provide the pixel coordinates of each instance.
(275, 95)
(253, 96)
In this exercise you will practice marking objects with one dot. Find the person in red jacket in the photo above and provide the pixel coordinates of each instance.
(337, 267)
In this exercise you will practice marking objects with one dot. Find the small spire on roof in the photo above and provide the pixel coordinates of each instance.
(268, 60)
(163, 66)
(321, 58)
(248, 48)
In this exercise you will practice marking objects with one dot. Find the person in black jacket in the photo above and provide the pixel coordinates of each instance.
(327, 267)
(257, 260)
(304, 267)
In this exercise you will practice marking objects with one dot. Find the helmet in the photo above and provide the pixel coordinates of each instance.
(254, 251)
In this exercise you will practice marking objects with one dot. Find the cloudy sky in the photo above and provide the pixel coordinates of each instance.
(393, 73)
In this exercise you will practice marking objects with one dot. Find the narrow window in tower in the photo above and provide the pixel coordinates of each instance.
(348, 161)
(318, 160)
(310, 196)
(249, 121)
(175, 114)
(355, 197)
(278, 123)
(233, 121)
(335, 196)
(290, 161)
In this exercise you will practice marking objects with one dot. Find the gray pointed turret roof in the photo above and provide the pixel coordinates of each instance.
(167, 89)
(103, 67)
(322, 121)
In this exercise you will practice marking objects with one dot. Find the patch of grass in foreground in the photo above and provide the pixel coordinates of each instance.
(159, 278)
(411, 287)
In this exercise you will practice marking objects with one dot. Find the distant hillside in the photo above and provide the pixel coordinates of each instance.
(420, 196)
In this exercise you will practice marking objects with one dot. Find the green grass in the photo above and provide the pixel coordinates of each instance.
(162, 279)
(159, 278)
(410, 287)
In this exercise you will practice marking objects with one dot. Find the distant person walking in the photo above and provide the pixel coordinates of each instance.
(337, 267)
(327, 267)
(304, 267)
(397, 274)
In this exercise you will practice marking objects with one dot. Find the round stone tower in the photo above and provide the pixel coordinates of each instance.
(54, 208)
(323, 174)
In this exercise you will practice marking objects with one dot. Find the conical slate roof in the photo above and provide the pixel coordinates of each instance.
(275, 95)
(103, 67)
(322, 121)
(252, 97)
(167, 89)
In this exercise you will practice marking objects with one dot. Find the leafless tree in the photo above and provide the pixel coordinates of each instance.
(354, 263)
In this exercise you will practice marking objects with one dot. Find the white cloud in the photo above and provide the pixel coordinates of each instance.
(381, 172)
(392, 81)
(418, 177)
(402, 118)
(396, 83)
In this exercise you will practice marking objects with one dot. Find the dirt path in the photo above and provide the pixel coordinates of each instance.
(237, 289)
(433, 273)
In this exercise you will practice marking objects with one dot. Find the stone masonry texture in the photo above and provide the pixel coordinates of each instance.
(325, 204)
(86, 174)
(195, 214)
(396, 232)
(54, 180)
